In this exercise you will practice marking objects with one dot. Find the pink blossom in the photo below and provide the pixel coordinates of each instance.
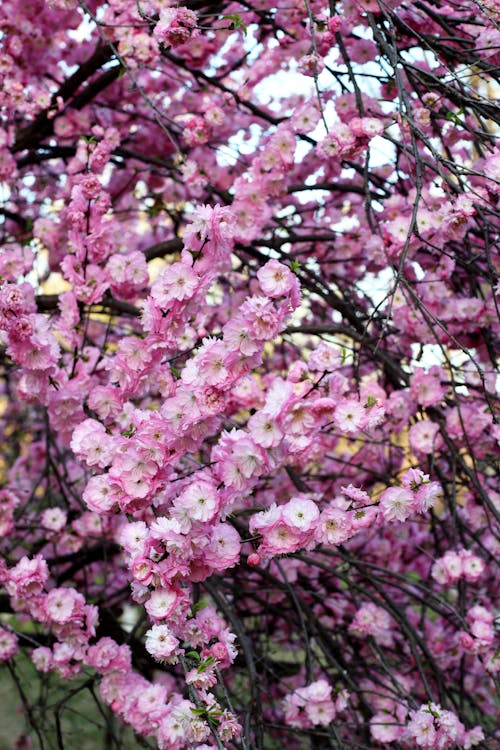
(177, 282)
(224, 549)
(265, 430)
(396, 503)
(375, 621)
(160, 642)
(300, 513)
(213, 224)
(8, 644)
(349, 416)
(54, 519)
(200, 501)
(106, 656)
(91, 442)
(334, 527)
(28, 577)
(423, 436)
(275, 279)
(325, 358)
(162, 603)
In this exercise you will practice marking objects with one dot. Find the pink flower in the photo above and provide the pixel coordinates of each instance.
(238, 337)
(8, 644)
(334, 527)
(325, 358)
(261, 317)
(452, 564)
(426, 388)
(91, 443)
(421, 728)
(54, 519)
(101, 495)
(128, 274)
(473, 737)
(275, 279)
(375, 621)
(211, 362)
(63, 605)
(396, 503)
(106, 656)
(42, 659)
(160, 642)
(367, 127)
(356, 494)
(310, 65)
(281, 539)
(162, 603)
(265, 430)
(426, 496)
(28, 577)
(300, 513)
(349, 416)
(224, 549)
(384, 728)
(310, 706)
(210, 223)
(178, 282)
(200, 501)
(423, 435)
(472, 565)
(176, 25)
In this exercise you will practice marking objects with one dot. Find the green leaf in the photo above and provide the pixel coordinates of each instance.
(236, 22)
(128, 433)
(199, 711)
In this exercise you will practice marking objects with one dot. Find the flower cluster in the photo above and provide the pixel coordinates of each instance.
(248, 309)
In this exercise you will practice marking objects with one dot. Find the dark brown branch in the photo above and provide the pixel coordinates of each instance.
(43, 125)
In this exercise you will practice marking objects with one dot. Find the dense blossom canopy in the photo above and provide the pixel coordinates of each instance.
(248, 309)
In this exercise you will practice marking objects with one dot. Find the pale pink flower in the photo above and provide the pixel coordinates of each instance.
(452, 564)
(422, 436)
(91, 443)
(224, 548)
(162, 603)
(396, 503)
(54, 519)
(325, 358)
(334, 527)
(211, 223)
(472, 565)
(27, 578)
(473, 737)
(8, 644)
(300, 513)
(200, 501)
(176, 283)
(275, 279)
(426, 496)
(349, 416)
(282, 539)
(100, 494)
(265, 430)
(238, 337)
(160, 642)
(375, 621)
(63, 604)
(42, 658)
(384, 728)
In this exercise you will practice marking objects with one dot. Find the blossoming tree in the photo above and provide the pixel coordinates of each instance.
(247, 388)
